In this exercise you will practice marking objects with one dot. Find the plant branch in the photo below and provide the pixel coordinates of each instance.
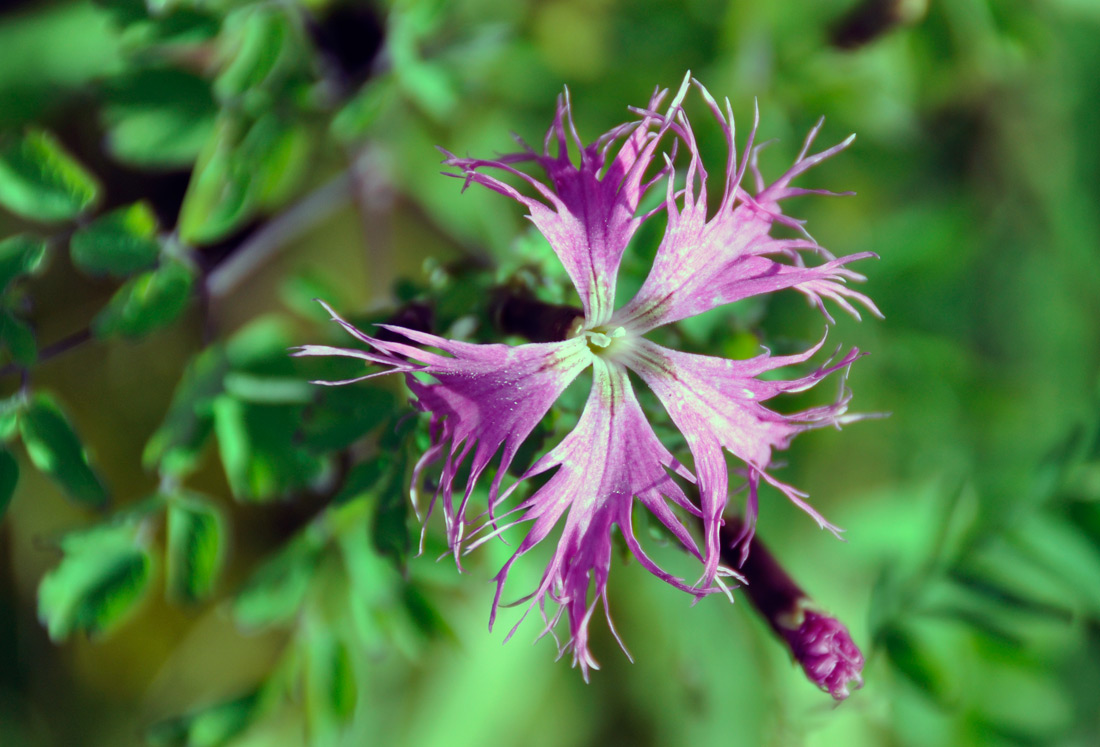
(62, 346)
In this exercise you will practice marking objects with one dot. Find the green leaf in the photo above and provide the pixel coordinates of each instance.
(39, 180)
(277, 590)
(248, 165)
(10, 410)
(211, 727)
(261, 346)
(257, 47)
(54, 448)
(234, 444)
(357, 118)
(17, 336)
(343, 415)
(119, 243)
(260, 449)
(20, 255)
(195, 549)
(279, 153)
(9, 477)
(219, 198)
(1066, 553)
(332, 691)
(102, 576)
(146, 303)
(176, 446)
(911, 659)
(159, 117)
(268, 389)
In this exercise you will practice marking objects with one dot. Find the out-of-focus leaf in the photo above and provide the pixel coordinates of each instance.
(1025, 700)
(102, 576)
(10, 410)
(119, 243)
(279, 152)
(39, 180)
(195, 549)
(211, 727)
(17, 336)
(218, 199)
(301, 289)
(1060, 547)
(9, 477)
(20, 255)
(427, 83)
(247, 165)
(268, 389)
(258, 44)
(276, 591)
(1002, 564)
(331, 691)
(429, 620)
(358, 116)
(260, 347)
(177, 443)
(343, 415)
(54, 448)
(913, 661)
(147, 302)
(371, 588)
(159, 117)
(234, 444)
(390, 528)
(261, 450)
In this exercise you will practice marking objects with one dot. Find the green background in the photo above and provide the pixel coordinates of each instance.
(971, 572)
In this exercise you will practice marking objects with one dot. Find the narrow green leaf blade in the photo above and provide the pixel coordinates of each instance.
(40, 181)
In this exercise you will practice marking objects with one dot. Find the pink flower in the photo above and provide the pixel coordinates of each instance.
(484, 400)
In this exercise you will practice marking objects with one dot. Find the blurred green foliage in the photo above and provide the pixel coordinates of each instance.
(178, 178)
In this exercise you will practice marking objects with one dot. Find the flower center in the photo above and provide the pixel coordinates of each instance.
(602, 341)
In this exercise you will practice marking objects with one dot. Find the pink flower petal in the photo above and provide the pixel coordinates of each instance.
(589, 215)
(610, 459)
(716, 404)
(707, 262)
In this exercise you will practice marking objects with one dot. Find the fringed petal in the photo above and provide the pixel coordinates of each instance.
(716, 404)
(588, 213)
(610, 459)
(706, 262)
(486, 399)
